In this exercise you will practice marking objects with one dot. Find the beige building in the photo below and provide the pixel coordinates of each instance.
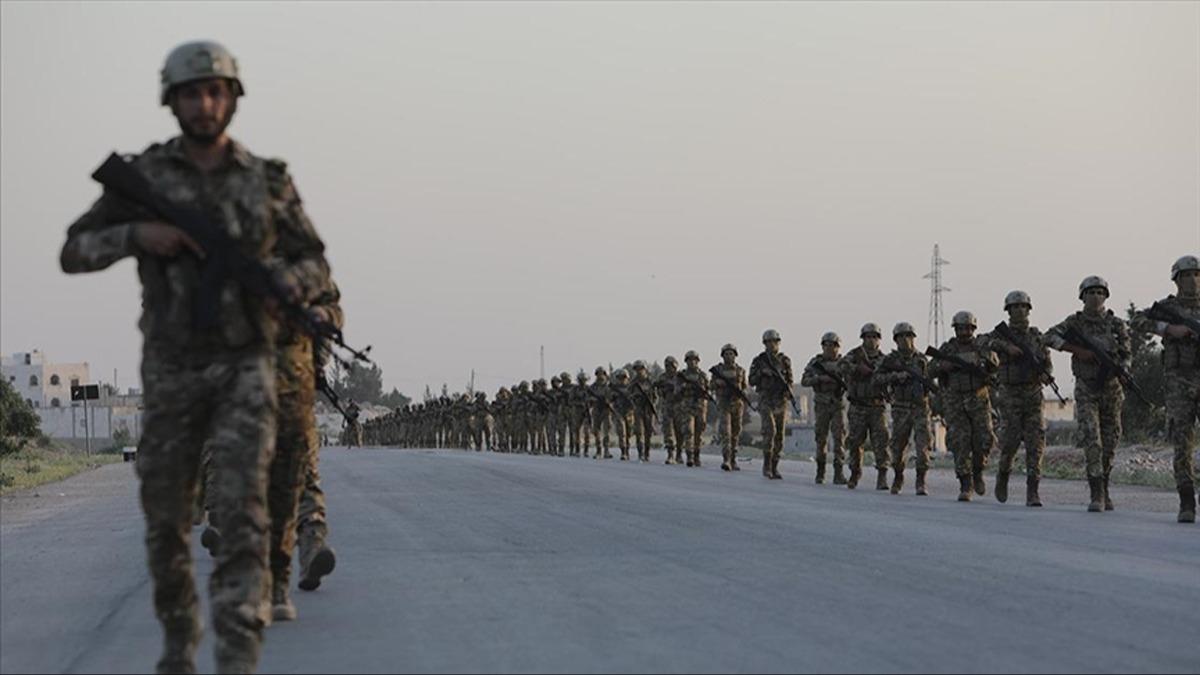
(41, 382)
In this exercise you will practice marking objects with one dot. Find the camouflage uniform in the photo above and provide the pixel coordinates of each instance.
(623, 405)
(692, 409)
(642, 393)
(214, 385)
(666, 388)
(967, 410)
(601, 400)
(1181, 361)
(1019, 400)
(910, 413)
(730, 409)
(867, 414)
(482, 423)
(830, 408)
(772, 404)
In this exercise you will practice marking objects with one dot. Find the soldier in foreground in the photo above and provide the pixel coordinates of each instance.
(729, 383)
(904, 374)
(692, 409)
(1176, 319)
(771, 377)
(641, 390)
(601, 412)
(867, 418)
(1099, 396)
(666, 387)
(1019, 395)
(205, 381)
(829, 389)
(964, 367)
(623, 407)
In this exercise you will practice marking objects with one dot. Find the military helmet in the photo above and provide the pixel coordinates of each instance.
(1017, 298)
(1184, 264)
(201, 60)
(600, 371)
(904, 328)
(581, 377)
(621, 374)
(870, 328)
(964, 318)
(1092, 282)
(639, 365)
(565, 377)
(554, 379)
(480, 394)
(670, 361)
(729, 348)
(691, 355)
(771, 334)
(524, 384)
(831, 337)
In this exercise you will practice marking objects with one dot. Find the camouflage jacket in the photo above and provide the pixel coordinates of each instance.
(892, 378)
(862, 389)
(1179, 355)
(724, 393)
(957, 381)
(765, 382)
(1107, 329)
(641, 390)
(1016, 371)
(826, 392)
(666, 388)
(693, 385)
(253, 199)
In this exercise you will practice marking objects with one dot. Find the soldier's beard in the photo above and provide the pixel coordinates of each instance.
(1189, 286)
(207, 137)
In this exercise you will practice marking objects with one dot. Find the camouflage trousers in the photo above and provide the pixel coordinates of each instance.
(1098, 424)
(552, 439)
(830, 428)
(623, 426)
(1183, 412)
(229, 404)
(295, 452)
(643, 428)
(601, 426)
(969, 432)
(729, 427)
(482, 429)
(539, 442)
(581, 426)
(867, 421)
(911, 422)
(667, 420)
(774, 417)
(690, 423)
(353, 437)
(1022, 422)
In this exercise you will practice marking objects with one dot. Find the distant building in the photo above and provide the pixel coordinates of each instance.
(41, 383)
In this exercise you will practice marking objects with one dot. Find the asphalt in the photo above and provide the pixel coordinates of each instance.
(450, 561)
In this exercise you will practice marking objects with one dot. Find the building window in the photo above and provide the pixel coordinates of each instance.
(54, 381)
(28, 359)
(54, 403)
(33, 381)
(74, 381)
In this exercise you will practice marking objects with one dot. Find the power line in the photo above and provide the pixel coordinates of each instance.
(937, 322)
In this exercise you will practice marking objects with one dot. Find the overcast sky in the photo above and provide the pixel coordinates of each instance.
(629, 180)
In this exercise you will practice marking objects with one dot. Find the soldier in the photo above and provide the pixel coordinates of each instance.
(562, 413)
(352, 436)
(771, 377)
(1181, 361)
(1098, 393)
(316, 557)
(204, 383)
(623, 406)
(692, 409)
(522, 416)
(666, 387)
(539, 410)
(904, 374)
(822, 375)
(500, 411)
(867, 418)
(729, 383)
(641, 390)
(601, 405)
(1019, 397)
(581, 420)
(964, 375)
(482, 423)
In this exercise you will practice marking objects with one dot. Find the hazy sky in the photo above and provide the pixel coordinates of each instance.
(628, 180)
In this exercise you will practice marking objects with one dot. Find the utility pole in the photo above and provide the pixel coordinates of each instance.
(471, 387)
(542, 358)
(937, 322)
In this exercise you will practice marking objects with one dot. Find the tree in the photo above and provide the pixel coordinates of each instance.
(359, 383)
(19, 424)
(1142, 422)
(394, 399)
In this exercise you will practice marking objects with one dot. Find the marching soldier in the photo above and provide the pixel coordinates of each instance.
(904, 374)
(821, 374)
(623, 405)
(641, 390)
(601, 407)
(729, 384)
(692, 408)
(867, 401)
(771, 377)
(964, 373)
(667, 389)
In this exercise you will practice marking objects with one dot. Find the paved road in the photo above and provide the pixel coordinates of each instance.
(453, 561)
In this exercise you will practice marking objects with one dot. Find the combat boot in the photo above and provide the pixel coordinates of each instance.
(1096, 485)
(210, 539)
(282, 608)
(980, 483)
(733, 465)
(1002, 487)
(316, 560)
(964, 488)
(766, 471)
(839, 475)
(181, 636)
(1031, 491)
(696, 459)
(898, 481)
(820, 471)
(881, 480)
(624, 455)
(921, 491)
(855, 474)
(775, 475)
(1108, 505)
(1187, 504)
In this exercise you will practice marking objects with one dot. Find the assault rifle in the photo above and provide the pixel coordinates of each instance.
(1108, 365)
(957, 361)
(787, 387)
(607, 404)
(929, 385)
(690, 384)
(223, 259)
(1030, 357)
(832, 373)
(733, 386)
(1163, 312)
(637, 386)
